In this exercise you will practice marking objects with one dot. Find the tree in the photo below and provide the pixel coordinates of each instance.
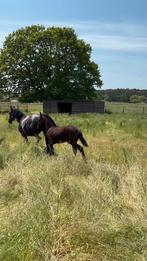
(137, 98)
(37, 63)
(123, 95)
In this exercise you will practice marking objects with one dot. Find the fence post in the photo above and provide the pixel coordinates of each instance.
(143, 110)
(25, 107)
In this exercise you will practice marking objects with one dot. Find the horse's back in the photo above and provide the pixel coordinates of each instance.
(30, 125)
(24, 121)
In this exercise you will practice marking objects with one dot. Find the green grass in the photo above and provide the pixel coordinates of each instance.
(62, 208)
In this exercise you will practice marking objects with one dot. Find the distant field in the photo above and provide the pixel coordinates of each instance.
(120, 107)
(63, 208)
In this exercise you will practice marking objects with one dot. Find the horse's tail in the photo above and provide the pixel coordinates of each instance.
(84, 142)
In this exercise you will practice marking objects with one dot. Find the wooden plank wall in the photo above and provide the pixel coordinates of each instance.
(77, 106)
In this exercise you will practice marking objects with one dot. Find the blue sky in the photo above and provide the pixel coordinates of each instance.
(116, 30)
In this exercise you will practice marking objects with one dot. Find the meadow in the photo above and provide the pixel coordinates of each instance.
(63, 208)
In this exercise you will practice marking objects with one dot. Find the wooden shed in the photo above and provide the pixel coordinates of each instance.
(63, 106)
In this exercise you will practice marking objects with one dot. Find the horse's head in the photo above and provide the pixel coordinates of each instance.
(14, 114)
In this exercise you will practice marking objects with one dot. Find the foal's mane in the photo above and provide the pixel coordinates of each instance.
(49, 118)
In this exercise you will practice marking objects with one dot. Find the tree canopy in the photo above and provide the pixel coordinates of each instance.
(39, 63)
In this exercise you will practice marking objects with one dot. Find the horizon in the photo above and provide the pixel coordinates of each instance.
(116, 31)
(131, 89)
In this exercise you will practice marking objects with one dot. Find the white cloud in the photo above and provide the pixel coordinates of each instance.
(101, 35)
(117, 43)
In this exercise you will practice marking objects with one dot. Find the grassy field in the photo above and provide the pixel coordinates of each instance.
(62, 208)
(123, 107)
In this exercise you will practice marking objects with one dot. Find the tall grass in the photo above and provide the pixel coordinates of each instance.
(62, 208)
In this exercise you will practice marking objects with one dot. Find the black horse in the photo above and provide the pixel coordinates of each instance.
(31, 125)
(69, 134)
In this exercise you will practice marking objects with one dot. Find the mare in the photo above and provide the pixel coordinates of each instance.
(70, 134)
(31, 125)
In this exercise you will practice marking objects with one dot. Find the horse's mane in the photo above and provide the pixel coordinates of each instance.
(49, 118)
(19, 113)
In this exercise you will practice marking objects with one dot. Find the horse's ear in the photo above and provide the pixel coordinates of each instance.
(40, 115)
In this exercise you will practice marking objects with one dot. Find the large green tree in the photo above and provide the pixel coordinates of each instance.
(37, 63)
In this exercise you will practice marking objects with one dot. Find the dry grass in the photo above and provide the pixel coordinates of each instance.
(63, 208)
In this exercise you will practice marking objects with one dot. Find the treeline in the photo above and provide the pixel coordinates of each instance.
(123, 95)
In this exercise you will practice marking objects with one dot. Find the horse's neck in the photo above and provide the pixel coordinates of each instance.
(20, 116)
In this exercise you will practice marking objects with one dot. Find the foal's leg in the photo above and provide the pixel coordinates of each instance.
(51, 150)
(80, 148)
(48, 149)
(49, 146)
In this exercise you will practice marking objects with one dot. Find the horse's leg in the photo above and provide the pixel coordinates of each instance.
(24, 135)
(26, 139)
(80, 148)
(74, 148)
(38, 138)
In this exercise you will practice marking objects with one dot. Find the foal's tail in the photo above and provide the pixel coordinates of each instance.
(84, 142)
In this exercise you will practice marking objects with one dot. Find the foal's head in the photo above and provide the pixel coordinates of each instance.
(46, 122)
(14, 114)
